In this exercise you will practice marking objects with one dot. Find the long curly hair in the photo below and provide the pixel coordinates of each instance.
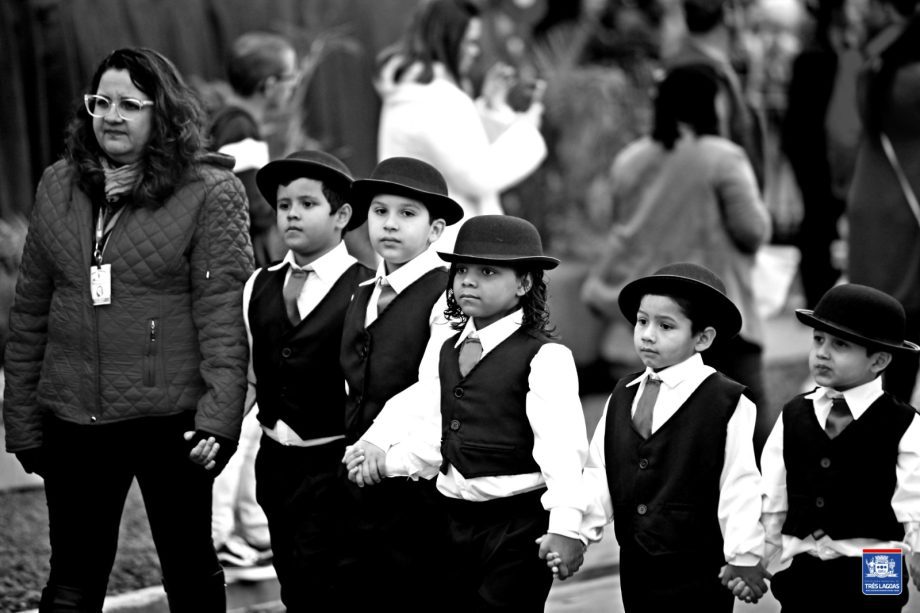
(434, 36)
(176, 133)
(534, 303)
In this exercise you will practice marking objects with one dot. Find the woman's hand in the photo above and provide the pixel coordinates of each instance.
(497, 83)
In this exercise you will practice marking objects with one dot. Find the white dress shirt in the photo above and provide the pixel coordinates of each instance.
(324, 272)
(553, 408)
(739, 481)
(905, 502)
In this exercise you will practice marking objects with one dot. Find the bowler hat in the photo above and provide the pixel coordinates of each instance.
(408, 177)
(697, 283)
(499, 239)
(316, 165)
(863, 315)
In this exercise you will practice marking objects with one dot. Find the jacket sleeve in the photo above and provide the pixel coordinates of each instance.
(25, 350)
(743, 210)
(221, 261)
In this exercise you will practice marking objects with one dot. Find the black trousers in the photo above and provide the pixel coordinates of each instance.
(494, 564)
(395, 552)
(671, 582)
(304, 500)
(811, 584)
(91, 469)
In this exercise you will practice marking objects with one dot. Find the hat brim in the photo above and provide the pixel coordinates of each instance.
(540, 261)
(438, 205)
(807, 317)
(726, 318)
(282, 172)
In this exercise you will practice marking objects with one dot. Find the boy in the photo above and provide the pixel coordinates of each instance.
(672, 460)
(294, 313)
(841, 468)
(392, 319)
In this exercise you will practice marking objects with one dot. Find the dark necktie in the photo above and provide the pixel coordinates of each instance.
(387, 293)
(292, 291)
(642, 419)
(470, 352)
(839, 417)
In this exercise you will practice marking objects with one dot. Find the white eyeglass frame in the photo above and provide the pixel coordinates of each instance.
(90, 98)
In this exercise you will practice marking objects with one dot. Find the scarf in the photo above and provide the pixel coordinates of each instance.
(120, 180)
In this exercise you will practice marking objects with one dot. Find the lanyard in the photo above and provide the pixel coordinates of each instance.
(103, 232)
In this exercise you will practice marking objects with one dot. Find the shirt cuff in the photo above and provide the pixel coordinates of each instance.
(565, 521)
(744, 559)
(912, 535)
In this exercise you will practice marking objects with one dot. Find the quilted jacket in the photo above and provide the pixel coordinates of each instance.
(173, 337)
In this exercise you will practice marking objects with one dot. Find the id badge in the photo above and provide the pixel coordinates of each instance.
(100, 283)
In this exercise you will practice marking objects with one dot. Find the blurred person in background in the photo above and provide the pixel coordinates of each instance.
(127, 353)
(482, 146)
(820, 135)
(710, 39)
(686, 194)
(884, 215)
(262, 72)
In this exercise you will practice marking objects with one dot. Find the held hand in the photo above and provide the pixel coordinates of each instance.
(204, 451)
(752, 577)
(564, 555)
(373, 470)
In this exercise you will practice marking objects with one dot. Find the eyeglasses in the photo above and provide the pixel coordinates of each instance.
(98, 105)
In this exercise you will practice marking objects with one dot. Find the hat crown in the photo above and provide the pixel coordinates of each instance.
(694, 272)
(866, 311)
(412, 173)
(498, 236)
(322, 158)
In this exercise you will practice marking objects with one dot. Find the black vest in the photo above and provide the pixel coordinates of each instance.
(665, 489)
(299, 379)
(843, 486)
(383, 359)
(484, 427)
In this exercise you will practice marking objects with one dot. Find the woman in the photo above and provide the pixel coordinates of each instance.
(127, 355)
(687, 194)
(481, 147)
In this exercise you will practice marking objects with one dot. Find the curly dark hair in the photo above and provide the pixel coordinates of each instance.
(434, 35)
(176, 136)
(534, 303)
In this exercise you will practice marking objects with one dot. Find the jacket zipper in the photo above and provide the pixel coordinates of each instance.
(150, 356)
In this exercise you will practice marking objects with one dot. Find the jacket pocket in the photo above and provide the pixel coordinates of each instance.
(151, 352)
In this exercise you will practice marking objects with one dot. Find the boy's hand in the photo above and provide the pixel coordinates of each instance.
(563, 555)
(753, 579)
(366, 463)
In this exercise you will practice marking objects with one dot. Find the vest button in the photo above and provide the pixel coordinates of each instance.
(455, 424)
(286, 352)
(825, 462)
(642, 509)
(643, 463)
(458, 392)
(819, 502)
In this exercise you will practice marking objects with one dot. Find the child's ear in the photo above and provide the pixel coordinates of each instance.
(879, 361)
(705, 339)
(342, 216)
(525, 284)
(436, 230)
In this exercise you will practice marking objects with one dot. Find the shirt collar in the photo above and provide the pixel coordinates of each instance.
(858, 398)
(494, 334)
(410, 272)
(672, 376)
(328, 267)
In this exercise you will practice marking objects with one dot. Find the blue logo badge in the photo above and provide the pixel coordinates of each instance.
(881, 572)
